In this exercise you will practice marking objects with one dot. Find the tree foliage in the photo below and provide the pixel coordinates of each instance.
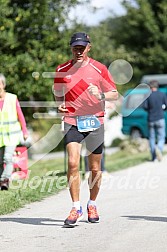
(143, 32)
(34, 38)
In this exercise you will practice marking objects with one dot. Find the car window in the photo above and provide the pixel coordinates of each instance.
(134, 100)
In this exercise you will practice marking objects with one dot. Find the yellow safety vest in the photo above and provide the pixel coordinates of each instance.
(10, 129)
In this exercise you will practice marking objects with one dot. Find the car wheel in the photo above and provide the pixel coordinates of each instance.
(135, 133)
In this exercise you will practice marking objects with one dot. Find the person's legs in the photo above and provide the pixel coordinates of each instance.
(94, 144)
(95, 175)
(152, 140)
(160, 129)
(94, 186)
(8, 160)
(87, 165)
(73, 140)
(160, 134)
(7, 171)
(73, 176)
(2, 149)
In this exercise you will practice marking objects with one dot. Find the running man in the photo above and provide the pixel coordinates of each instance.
(81, 86)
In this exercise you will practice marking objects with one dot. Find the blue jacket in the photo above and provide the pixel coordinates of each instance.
(155, 105)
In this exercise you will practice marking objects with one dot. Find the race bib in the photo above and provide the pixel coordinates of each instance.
(87, 123)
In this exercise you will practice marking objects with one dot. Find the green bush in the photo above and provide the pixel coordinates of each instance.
(116, 142)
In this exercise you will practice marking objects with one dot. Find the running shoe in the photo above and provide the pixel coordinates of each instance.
(74, 216)
(93, 216)
(4, 184)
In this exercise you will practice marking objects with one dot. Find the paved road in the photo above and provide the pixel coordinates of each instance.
(133, 211)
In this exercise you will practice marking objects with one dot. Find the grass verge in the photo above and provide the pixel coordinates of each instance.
(47, 178)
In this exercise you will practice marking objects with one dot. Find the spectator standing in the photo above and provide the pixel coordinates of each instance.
(12, 122)
(155, 105)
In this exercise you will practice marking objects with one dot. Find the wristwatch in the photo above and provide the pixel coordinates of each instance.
(102, 96)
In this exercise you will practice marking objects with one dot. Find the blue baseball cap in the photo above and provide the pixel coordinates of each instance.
(79, 38)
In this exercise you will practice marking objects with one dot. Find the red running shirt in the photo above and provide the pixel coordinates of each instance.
(72, 84)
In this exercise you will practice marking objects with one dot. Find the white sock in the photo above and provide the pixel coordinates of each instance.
(92, 202)
(76, 204)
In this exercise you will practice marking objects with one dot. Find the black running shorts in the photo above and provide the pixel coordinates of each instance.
(94, 139)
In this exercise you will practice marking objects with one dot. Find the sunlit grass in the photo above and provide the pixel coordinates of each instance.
(123, 159)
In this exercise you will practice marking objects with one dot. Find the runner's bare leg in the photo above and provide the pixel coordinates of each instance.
(73, 176)
(95, 175)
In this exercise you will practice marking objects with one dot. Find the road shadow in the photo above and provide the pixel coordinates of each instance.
(147, 218)
(35, 221)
